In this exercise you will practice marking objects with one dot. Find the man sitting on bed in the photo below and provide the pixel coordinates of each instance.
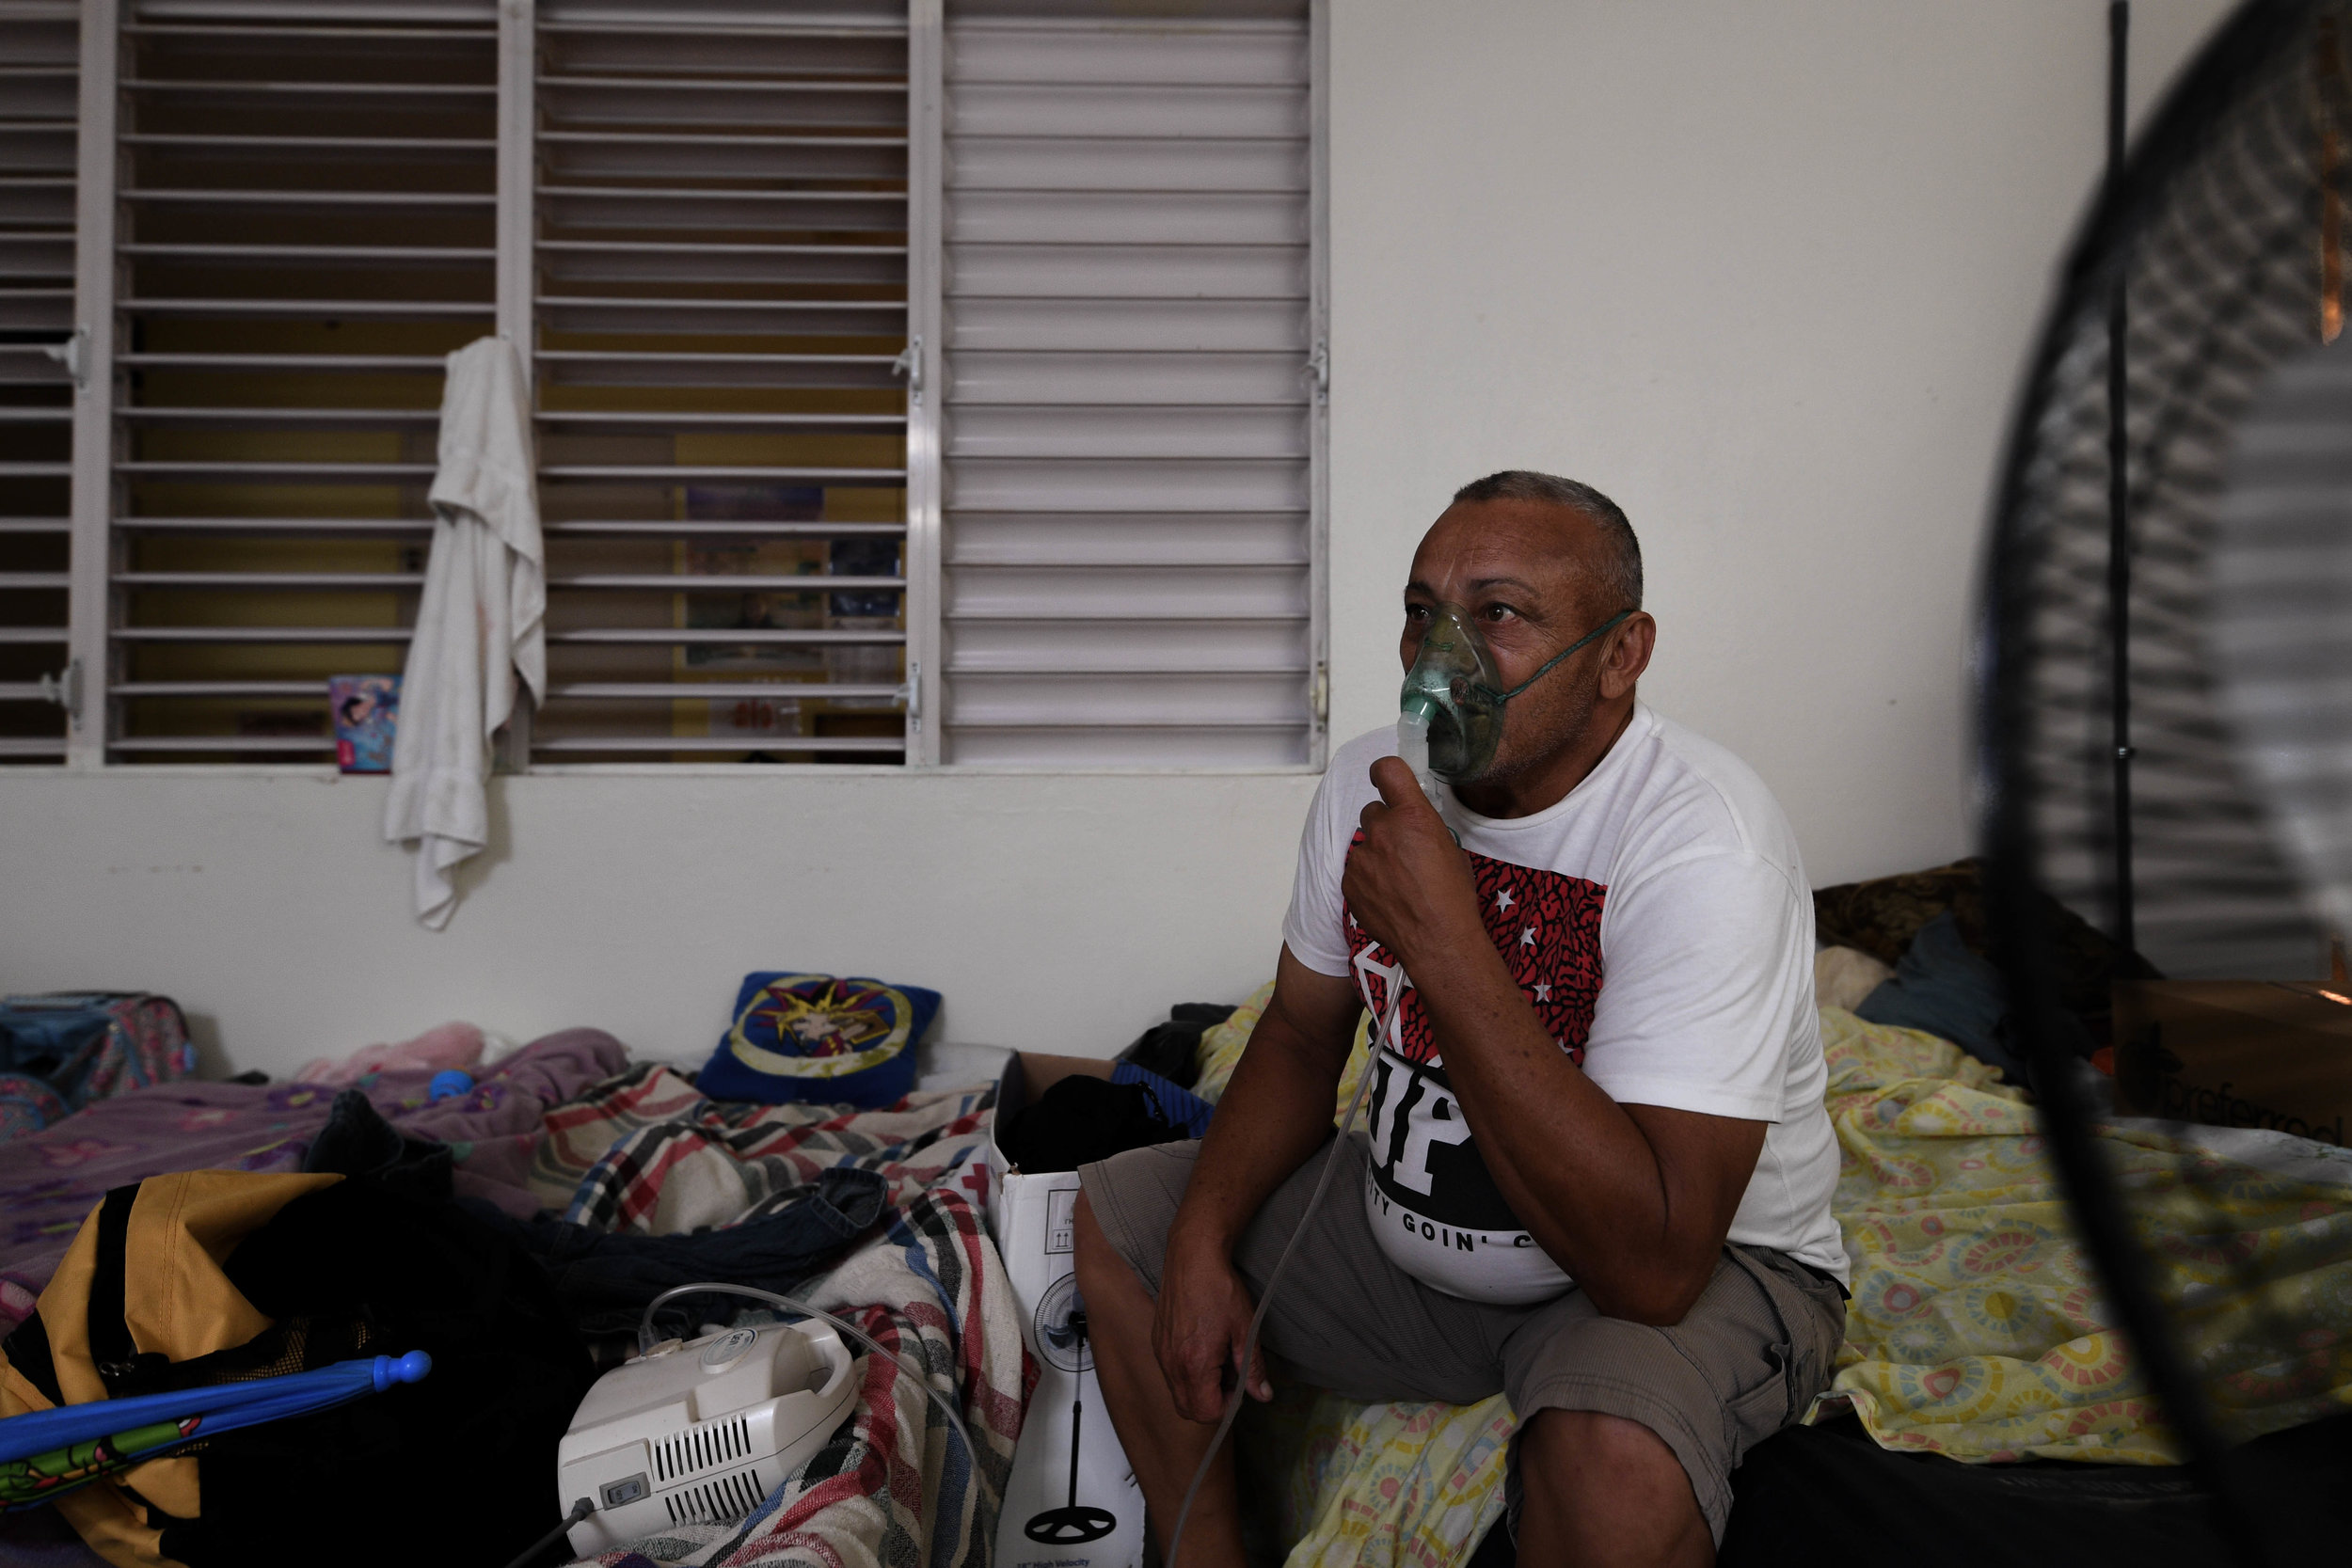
(1598, 1169)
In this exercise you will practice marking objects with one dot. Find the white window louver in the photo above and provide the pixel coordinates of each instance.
(39, 70)
(307, 221)
(1132, 416)
(794, 498)
(722, 311)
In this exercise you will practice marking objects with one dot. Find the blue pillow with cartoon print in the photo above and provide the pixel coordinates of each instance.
(820, 1037)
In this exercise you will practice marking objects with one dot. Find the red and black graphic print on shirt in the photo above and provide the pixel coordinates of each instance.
(1431, 1201)
(1545, 926)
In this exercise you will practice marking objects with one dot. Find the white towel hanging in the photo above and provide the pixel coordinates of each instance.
(482, 622)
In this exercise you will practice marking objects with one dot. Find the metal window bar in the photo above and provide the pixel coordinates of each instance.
(39, 109)
(725, 266)
(720, 309)
(305, 226)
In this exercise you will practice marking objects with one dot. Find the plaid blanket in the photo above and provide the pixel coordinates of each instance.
(645, 1152)
(894, 1486)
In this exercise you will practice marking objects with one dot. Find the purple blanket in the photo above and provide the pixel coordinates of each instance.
(50, 1181)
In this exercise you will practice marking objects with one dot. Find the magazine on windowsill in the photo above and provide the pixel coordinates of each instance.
(366, 709)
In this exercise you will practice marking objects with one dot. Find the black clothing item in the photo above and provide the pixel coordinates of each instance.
(1081, 1120)
(358, 1141)
(605, 1278)
(1172, 1049)
(459, 1468)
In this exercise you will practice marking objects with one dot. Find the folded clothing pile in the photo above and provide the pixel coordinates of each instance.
(605, 1279)
(60, 1051)
(439, 1049)
(52, 1178)
(1082, 1118)
(1931, 928)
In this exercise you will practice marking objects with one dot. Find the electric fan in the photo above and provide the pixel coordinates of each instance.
(2166, 696)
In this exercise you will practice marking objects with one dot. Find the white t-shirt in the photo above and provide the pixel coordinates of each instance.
(1660, 923)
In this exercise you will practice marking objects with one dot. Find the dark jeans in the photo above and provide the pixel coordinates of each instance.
(606, 1279)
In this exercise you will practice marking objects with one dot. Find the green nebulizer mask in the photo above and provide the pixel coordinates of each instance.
(1449, 718)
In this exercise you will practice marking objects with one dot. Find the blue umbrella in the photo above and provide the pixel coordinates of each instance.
(147, 1425)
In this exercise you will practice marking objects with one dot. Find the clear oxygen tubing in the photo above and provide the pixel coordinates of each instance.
(1265, 1298)
(645, 1341)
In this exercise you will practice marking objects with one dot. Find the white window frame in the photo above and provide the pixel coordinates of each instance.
(88, 599)
(926, 42)
(94, 549)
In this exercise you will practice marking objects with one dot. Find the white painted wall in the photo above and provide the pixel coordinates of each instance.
(1765, 273)
(1052, 912)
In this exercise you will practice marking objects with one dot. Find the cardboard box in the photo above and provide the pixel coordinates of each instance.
(1072, 1502)
(2237, 1054)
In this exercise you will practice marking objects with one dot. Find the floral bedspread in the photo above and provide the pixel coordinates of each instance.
(1977, 1329)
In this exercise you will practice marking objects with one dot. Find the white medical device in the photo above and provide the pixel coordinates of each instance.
(700, 1432)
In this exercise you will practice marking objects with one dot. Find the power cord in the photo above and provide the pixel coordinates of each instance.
(580, 1509)
(1265, 1297)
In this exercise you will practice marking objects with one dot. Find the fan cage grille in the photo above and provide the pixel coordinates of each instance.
(2216, 237)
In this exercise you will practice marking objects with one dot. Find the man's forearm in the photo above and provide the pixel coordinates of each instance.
(1274, 1112)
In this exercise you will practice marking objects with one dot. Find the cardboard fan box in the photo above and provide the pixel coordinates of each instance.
(2237, 1054)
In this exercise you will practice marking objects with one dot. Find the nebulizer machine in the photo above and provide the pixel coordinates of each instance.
(704, 1429)
(1449, 725)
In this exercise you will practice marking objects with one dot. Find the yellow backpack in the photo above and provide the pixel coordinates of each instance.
(212, 1277)
(99, 1314)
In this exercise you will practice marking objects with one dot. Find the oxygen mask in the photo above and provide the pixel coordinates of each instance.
(1450, 713)
(1451, 709)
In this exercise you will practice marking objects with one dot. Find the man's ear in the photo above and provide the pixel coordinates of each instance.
(1629, 650)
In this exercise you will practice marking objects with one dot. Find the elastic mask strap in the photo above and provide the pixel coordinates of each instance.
(1565, 653)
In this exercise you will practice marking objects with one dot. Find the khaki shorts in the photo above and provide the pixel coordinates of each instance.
(1760, 1342)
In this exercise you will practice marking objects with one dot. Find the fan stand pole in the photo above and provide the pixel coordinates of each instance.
(2118, 498)
(1077, 1404)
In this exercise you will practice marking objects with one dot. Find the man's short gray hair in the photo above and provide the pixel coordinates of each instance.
(1621, 563)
